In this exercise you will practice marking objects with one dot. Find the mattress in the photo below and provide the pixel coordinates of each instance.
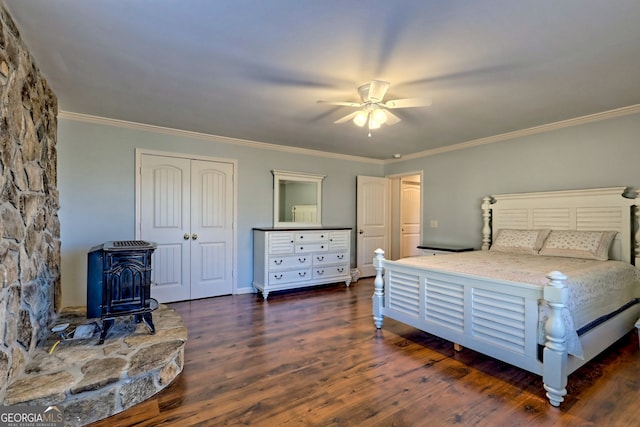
(595, 288)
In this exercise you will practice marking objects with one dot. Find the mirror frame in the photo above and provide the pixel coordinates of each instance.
(281, 176)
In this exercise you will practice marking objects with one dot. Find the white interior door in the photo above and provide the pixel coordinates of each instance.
(211, 228)
(187, 208)
(165, 201)
(410, 217)
(372, 194)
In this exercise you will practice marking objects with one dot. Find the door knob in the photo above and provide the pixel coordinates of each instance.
(360, 231)
(186, 236)
(194, 236)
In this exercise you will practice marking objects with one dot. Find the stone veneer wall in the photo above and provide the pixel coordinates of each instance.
(29, 225)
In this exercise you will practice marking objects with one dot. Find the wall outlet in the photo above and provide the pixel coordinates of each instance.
(434, 223)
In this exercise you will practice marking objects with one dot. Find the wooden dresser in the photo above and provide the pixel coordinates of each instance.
(290, 258)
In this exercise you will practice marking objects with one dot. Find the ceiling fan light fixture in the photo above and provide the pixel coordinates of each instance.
(379, 116)
(373, 124)
(361, 118)
(373, 112)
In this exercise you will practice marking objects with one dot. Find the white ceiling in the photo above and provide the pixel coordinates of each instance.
(254, 70)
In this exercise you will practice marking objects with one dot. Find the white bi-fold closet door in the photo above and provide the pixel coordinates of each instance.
(186, 206)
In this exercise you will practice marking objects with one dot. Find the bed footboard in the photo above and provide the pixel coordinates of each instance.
(499, 321)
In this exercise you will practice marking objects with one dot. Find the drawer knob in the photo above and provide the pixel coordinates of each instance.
(302, 259)
(320, 258)
(277, 261)
(340, 270)
(278, 276)
(340, 256)
(302, 273)
(320, 272)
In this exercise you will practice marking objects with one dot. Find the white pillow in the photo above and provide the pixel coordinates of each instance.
(519, 241)
(579, 244)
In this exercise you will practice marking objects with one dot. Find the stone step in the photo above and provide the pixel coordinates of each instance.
(89, 382)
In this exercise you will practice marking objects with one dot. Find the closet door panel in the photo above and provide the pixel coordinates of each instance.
(165, 220)
(211, 228)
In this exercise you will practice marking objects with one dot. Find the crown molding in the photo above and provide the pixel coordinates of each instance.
(619, 112)
(605, 115)
(86, 118)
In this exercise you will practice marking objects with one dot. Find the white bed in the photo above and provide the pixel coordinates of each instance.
(512, 313)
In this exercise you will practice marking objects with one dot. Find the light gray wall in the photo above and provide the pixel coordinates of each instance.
(96, 182)
(97, 190)
(598, 154)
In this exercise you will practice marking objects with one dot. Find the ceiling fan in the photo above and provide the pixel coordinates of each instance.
(372, 111)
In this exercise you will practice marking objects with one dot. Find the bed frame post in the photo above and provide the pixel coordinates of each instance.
(378, 285)
(555, 374)
(636, 223)
(486, 227)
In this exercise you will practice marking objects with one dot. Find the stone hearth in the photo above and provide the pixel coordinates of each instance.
(86, 381)
(89, 382)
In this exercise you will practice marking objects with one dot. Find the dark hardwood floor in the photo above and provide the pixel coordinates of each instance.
(314, 358)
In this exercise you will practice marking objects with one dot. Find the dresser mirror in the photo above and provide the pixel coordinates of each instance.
(297, 199)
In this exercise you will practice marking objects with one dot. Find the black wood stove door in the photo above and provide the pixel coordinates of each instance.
(127, 287)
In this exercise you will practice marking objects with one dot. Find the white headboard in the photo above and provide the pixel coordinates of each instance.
(596, 209)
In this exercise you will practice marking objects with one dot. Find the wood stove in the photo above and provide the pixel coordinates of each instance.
(119, 283)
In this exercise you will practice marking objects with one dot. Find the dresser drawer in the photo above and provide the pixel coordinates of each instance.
(433, 252)
(303, 248)
(340, 240)
(289, 276)
(295, 261)
(433, 249)
(312, 236)
(280, 243)
(330, 271)
(330, 258)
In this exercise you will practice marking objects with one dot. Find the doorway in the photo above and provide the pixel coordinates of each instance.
(389, 216)
(406, 216)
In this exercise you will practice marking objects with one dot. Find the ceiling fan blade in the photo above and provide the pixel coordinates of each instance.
(342, 103)
(407, 103)
(392, 119)
(347, 117)
(377, 90)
